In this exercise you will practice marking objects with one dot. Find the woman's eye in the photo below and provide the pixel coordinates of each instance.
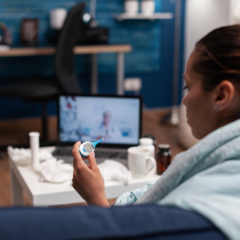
(185, 87)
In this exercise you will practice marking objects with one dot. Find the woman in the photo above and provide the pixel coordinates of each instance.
(204, 179)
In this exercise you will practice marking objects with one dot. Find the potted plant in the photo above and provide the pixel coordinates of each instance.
(131, 7)
(148, 7)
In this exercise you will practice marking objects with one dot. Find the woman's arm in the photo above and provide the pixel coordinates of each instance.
(87, 179)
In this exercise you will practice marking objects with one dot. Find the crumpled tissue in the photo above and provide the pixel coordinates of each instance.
(23, 156)
(51, 169)
(56, 171)
(113, 170)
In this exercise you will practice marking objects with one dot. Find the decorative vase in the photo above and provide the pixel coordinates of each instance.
(148, 7)
(131, 7)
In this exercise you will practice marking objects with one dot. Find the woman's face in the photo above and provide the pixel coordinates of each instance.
(200, 105)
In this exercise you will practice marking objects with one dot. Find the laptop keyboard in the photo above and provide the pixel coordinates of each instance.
(110, 155)
(62, 151)
(67, 151)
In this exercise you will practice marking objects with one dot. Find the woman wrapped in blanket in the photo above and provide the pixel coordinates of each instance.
(206, 178)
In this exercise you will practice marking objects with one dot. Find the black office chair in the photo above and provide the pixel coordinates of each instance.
(64, 82)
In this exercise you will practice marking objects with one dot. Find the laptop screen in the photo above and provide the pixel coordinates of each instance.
(117, 119)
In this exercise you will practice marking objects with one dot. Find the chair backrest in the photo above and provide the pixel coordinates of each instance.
(64, 57)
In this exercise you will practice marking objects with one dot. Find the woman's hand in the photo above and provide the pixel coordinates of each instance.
(87, 179)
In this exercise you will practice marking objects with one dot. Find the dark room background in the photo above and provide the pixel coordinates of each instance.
(151, 58)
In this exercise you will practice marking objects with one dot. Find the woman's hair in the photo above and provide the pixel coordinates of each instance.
(218, 57)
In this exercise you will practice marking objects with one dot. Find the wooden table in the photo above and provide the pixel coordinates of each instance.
(93, 50)
(24, 179)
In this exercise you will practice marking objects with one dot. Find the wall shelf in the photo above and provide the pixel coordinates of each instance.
(140, 16)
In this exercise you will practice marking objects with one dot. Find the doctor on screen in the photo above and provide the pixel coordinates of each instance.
(106, 129)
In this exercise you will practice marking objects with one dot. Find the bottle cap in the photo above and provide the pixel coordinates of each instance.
(146, 141)
(149, 136)
(34, 134)
(164, 146)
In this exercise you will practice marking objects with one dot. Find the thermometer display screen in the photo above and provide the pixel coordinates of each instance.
(88, 147)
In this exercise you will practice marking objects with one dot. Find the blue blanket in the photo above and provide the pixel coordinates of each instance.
(204, 179)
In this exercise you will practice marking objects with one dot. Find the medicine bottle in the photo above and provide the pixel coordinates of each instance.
(148, 144)
(154, 141)
(163, 158)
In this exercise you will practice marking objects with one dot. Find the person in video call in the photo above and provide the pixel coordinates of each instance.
(206, 178)
(106, 129)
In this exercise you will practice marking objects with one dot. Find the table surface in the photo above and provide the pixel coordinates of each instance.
(46, 194)
(38, 51)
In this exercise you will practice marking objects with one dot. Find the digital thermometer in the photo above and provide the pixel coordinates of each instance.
(87, 147)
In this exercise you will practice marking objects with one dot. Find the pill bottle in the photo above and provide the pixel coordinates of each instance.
(148, 144)
(163, 158)
(154, 140)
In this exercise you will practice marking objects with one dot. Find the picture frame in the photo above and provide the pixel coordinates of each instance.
(29, 32)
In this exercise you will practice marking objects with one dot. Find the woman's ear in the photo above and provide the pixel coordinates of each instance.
(223, 95)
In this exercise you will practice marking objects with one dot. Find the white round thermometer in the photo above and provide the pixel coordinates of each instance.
(87, 147)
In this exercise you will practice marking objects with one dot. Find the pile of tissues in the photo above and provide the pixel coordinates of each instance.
(115, 171)
(23, 156)
(56, 171)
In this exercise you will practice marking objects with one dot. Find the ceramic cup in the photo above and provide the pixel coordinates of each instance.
(147, 7)
(131, 7)
(139, 162)
(57, 18)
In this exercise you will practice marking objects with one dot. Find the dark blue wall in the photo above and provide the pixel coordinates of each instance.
(151, 58)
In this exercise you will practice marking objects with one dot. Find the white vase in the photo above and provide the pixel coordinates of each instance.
(131, 7)
(148, 7)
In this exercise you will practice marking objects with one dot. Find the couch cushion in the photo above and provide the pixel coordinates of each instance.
(140, 222)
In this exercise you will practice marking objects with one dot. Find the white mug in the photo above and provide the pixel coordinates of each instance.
(148, 7)
(131, 7)
(140, 162)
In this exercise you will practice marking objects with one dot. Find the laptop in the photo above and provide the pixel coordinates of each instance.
(117, 119)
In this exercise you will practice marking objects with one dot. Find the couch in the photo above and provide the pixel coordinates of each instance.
(130, 222)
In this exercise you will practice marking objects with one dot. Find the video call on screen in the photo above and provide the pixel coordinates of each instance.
(92, 118)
